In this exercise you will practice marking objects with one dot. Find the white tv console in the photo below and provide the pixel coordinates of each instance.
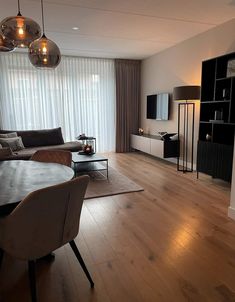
(154, 145)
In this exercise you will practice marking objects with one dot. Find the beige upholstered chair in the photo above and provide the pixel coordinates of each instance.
(53, 156)
(42, 222)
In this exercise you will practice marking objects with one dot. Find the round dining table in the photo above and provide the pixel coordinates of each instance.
(18, 178)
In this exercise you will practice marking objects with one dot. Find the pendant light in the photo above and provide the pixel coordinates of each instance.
(5, 44)
(20, 30)
(43, 52)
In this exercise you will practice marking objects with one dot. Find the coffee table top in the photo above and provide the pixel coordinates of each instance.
(80, 158)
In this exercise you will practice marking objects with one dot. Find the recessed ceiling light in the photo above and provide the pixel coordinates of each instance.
(75, 28)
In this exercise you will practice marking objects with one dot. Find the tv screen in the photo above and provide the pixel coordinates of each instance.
(162, 112)
(158, 106)
(151, 106)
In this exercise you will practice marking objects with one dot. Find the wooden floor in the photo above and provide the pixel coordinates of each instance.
(172, 242)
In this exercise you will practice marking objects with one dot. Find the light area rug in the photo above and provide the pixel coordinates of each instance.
(117, 183)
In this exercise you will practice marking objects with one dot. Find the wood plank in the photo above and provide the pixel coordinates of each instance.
(171, 242)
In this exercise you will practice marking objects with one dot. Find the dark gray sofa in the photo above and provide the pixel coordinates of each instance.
(33, 140)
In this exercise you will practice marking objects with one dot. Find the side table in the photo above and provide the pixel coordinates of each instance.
(89, 163)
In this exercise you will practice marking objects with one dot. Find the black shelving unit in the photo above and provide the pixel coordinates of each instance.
(216, 135)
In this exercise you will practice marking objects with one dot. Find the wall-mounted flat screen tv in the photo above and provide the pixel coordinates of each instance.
(158, 106)
(151, 106)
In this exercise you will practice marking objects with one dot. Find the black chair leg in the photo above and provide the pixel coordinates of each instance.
(79, 257)
(32, 280)
(1, 256)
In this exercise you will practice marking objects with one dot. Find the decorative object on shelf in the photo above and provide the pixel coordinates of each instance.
(185, 95)
(88, 149)
(43, 52)
(218, 115)
(231, 68)
(225, 94)
(165, 136)
(5, 44)
(20, 30)
(208, 137)
(141, 131)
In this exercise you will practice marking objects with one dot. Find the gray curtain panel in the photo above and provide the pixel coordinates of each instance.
(127, 101)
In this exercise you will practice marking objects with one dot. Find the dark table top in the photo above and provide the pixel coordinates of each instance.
(18, 178)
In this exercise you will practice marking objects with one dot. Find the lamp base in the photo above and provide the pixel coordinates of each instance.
(184, 170)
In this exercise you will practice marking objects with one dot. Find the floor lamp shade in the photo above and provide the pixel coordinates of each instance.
(185, 95)
(182, 93)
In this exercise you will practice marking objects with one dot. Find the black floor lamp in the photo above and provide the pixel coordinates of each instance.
(185, 95)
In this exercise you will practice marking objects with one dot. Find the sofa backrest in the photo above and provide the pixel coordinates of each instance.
(36, 138)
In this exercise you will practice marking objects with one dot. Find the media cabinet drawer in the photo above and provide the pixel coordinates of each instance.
(140, 143)
(157, 148)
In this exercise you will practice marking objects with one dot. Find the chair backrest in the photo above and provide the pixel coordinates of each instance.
(44, 221)
(53, 156)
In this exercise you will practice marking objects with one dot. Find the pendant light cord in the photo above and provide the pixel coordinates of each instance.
(43, 29)
(19, 14)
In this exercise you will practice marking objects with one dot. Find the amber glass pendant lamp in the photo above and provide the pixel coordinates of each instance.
(19, 31)
(5, 44)
(43, 52)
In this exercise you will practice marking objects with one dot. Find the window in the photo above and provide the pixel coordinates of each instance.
(78, 96)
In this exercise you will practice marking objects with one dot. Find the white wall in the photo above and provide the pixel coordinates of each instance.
(181, 65)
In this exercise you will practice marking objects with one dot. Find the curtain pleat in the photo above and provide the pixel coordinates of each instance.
(78, 96)
(127, 101)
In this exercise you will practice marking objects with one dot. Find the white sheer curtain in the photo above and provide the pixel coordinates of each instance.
(78, 96)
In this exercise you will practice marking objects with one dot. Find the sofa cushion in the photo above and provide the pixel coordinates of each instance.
(8, 135)
(37, 138)
(41, 139)
(5, 152)
(15, 143)
(28, 152)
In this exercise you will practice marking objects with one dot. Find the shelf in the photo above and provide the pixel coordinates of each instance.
(215, 157)
(226, 78)
(89, 167)
(217, 123)
(213, 102)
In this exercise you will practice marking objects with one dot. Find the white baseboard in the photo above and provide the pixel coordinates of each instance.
(231, 213)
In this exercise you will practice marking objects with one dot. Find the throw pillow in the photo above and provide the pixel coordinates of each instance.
(8, 135)
(15, 143)
(5, 152)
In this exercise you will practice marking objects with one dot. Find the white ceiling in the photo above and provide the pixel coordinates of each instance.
(123, 28)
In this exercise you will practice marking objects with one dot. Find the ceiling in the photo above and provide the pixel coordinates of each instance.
(133, 29)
